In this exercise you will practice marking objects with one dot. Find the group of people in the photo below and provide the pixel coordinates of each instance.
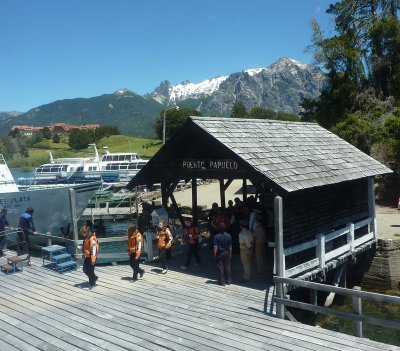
(247, 224)
(240, 226)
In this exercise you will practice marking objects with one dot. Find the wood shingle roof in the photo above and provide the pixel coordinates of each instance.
(294, 155)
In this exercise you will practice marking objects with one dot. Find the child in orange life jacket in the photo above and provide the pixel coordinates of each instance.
(90, 251)
(165, 239)
(190, 238)
(135, 247)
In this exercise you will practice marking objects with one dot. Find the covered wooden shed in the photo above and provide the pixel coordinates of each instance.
(321, 187)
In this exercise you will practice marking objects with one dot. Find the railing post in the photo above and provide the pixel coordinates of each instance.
(357, 309)
(350, 238)
(321, 250)
(279, 255)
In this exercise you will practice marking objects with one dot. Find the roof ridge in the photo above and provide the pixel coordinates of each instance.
(253, 120)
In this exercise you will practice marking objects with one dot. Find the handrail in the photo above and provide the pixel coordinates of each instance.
(355, 293)
(319, 243)
(77, 243)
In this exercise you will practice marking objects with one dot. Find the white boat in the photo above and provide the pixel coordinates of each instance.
(111, 167)
(54, 207)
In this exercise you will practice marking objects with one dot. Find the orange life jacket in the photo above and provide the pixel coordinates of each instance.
(190, 235)
(164, 239)
(88, 244)
(133, 242)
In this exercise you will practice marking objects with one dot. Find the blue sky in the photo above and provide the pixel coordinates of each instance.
(61, 49)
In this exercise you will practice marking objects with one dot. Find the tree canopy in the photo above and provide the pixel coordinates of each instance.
(361, 63)
(175, 118)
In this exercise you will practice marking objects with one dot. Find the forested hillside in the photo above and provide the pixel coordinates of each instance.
(361, 62)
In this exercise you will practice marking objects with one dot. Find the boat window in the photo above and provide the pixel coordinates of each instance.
(115, 158)
(46, 169)
(114, 166)
(79, 169)
(141, 165)
(132, 166)
(123, 166)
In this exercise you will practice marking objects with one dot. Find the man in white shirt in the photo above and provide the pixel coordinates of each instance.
(246, 249)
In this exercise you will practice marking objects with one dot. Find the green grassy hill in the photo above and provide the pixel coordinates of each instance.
(146, 148)
(131, 113)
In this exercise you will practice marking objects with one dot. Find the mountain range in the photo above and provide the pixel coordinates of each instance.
(280, 87)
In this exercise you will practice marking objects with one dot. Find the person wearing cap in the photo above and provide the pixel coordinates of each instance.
(190, 238)
(25, 228)
(90, 252)
(164, 244)
(223, 255)
(3, 224)
(246, 249)
(135, 246)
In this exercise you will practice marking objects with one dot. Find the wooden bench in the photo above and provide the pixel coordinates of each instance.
(7, 268)
(67, 265)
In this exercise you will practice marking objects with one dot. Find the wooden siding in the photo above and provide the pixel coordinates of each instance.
(319, 210)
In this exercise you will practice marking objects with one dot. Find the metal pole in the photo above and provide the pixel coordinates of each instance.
(164, 127)
(74, 219)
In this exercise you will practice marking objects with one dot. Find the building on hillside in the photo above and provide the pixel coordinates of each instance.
(60, 128)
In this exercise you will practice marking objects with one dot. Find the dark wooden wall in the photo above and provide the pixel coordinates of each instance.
(318, 210)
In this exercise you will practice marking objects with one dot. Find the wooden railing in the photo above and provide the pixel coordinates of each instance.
(356, 294)
(322, 255)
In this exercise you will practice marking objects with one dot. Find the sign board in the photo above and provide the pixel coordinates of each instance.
(202, 164)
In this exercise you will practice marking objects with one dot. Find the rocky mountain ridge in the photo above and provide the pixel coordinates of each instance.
(280, 87)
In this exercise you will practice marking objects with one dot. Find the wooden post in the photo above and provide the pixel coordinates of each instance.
(357, 309)
(321, 250)
(222, 192)
(136, 202)
(371, 206)
(74, 220)
(279, 255)
(164, 196)
(350, 239)
(244, 187)
(195, 215)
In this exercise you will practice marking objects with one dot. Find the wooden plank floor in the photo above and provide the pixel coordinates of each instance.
(41, 309)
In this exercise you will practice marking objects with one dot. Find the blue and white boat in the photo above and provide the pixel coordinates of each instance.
(55, 206)
(111, 167)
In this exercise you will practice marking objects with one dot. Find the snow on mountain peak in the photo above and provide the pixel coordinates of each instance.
(123, 91)
(186, 89)
(254, 71)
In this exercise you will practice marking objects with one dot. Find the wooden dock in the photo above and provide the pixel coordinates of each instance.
(41, 309)
(109, 213)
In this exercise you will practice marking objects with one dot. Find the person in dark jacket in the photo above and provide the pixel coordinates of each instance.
(25, 229)
(3, 224)
(223, 255)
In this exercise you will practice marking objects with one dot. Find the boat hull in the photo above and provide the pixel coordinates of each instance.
(52, 206)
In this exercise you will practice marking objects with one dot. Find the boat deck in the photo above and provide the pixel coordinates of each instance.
(41, 309)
